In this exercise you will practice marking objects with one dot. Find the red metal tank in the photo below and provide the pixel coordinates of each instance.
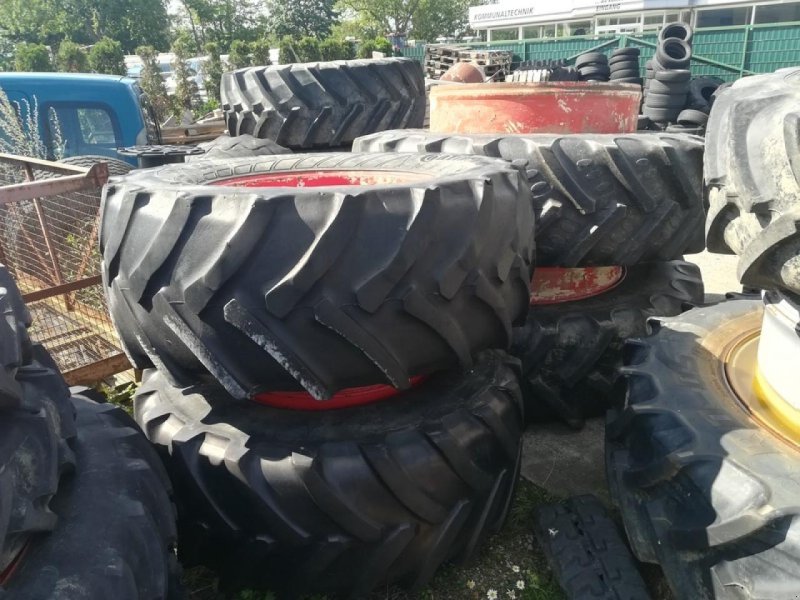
(549, 107)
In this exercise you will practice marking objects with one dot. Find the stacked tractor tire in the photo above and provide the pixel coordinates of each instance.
(704, 458)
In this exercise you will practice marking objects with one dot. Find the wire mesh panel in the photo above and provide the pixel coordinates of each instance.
(49, 245)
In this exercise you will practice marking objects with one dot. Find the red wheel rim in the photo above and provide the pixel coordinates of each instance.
(346, 398)
(320, 178)
(554, 285)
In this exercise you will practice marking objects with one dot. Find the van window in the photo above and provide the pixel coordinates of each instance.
(96, 126)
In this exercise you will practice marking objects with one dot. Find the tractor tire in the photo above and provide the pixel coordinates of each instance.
(571, 351)
(599, 199)
(116, 532)
(36, 422)
(115, 166)
(326, 104)
(322, 288)
(704, 489)
(344, 500)
(241, 146)
(752, 173)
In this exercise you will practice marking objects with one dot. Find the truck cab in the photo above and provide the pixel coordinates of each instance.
(97, 114)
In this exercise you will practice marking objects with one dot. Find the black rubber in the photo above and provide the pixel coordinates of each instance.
(752, 173)
(36, 422)
(115, 166)
(624, 63)
(656, 100)
(661, 115)
(692, 117)
(345, 500)
(624, 74)
(597, 73)
(672, 75)
(598, 199)
(668, 87)
(687, 129)
(116, 530)
(704, 491)
(701, 92)
(673, 53)
(586, 552)
(327, 104)
(636, 80)
(682, 31)
(320, 287)
(570, 352)
(629, 51)
(240, 146)
(591, 59)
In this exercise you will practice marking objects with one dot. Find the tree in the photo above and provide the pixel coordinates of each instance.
(71, 58)
(223, 21)
(186, 86)
(297, 18)
(260, 52)
(32, 57)
(307, 49)
(286, 53)
(239, 56)
(213, 70)
(377, 45)
(333, 49)
(391, 15)
(152, 83)
(106, 56)
(435, 18)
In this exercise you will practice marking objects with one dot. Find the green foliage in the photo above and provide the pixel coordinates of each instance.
(185, 84)
(212, 69)
(298, 18)
(286, 52)
(106, 56)
(223, 21)
(206, 107)
(121, 395)
(307, 49)
(367, 47)
(32, 57)
(152, 83)
(239, 56)
(337, 49)
(71, 58)
(260, 52)
(435, 18)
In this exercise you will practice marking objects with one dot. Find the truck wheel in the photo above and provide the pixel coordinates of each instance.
(343, 500)
(752, 167)
(599, 199)
(327, 104)
(35, 423)
(241, 146)
(571, 351)
(281, 272)
(706, 488)
(116, 523)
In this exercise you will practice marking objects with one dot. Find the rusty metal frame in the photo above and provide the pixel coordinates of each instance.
(74, 179)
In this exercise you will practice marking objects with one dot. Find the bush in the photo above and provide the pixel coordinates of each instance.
(260, 53)
(106, 56)
(32, 57)
(71, 58)
(212, 70)
(239, 56)
(337, 49)
(286, 51)
(307, 49)
(152, 83)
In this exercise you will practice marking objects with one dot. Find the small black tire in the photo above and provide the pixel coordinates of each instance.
(591, 59)
(661, 115)
(241, 146)
(692, 117)
(624, 74)
(752, 175)
(116, 533)
(570, 351)
(701, 91)
(384, 492)
(656, 100)
(325, 288)
(326, 104)
(680, 30)
(594, 202)
(672, 75)
(673, 53)
(599, 73)
(621, 63)
(704, 490)
(630, 51)
(668, 87)
(36, 424)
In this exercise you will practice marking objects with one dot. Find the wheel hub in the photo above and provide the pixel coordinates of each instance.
(553, 285)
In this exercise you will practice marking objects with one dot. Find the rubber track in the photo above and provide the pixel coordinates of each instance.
(598, 199)
(752, 173)
(326, 104)
(36, 422)
(238, 147)
(571, 351)
(586, 552)
(702, 489)
(340, 501)
(321, 287)
(116, 531)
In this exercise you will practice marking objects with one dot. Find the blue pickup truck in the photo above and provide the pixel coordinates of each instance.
(97, 113)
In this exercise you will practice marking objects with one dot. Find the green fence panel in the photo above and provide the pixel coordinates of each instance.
(774, 48)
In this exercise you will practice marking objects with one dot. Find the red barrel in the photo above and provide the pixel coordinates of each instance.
(550, 107)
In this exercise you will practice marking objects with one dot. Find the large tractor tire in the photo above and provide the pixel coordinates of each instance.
(571, 351)
(599, 199)
(705, 487)
(326, 104)
(752, 172)
(241, 146)
(36, 422)
(212, 270)
(115, 534)
(342, 500)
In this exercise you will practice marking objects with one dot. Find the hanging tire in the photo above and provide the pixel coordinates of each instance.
(752, 173)
(36, 422)
(421, 267)
(599, 199)
(116, 524)
(241, 146)
(327, 104)
(571, 351)
(704, 489)
(344, 500)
